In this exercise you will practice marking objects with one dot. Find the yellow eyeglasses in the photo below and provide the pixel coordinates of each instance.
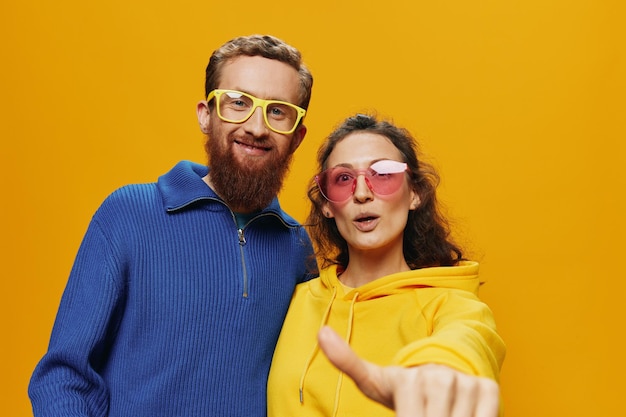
(237, 107)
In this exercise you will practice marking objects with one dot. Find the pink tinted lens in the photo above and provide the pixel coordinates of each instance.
(337, 184)
(383, 178)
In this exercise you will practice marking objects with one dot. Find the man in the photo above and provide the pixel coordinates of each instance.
(180, 287)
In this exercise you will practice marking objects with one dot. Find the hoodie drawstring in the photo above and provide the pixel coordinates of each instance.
(347, 339)
(316, 347)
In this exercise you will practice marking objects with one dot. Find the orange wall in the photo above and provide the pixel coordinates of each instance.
(519, 103)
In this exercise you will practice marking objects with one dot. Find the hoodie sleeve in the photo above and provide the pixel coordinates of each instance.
(462, 334)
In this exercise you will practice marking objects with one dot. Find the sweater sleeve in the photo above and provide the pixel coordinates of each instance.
(463, 335)
(66, 382)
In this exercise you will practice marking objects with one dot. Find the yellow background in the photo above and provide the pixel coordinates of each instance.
(520, 104)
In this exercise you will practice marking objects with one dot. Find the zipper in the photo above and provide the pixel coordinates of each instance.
(240, 233)
(242, 238)
(242, 242)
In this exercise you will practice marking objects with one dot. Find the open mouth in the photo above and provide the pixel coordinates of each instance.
(364, 219)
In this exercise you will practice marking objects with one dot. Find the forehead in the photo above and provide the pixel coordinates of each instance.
(360, 149)
(262, 77)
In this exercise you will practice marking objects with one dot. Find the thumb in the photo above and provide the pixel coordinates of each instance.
(367, 376)
(340, 354)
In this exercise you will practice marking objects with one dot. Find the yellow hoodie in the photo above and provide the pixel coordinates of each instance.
(429, 315)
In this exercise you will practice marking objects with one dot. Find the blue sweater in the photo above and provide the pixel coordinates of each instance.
(170, 309)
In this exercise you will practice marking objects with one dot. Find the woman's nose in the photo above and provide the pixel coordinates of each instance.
(362, 190)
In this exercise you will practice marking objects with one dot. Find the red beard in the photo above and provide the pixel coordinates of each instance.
(245, 188)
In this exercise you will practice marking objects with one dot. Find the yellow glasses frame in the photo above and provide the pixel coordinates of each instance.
(256, 102)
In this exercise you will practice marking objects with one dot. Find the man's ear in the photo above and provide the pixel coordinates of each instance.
(202, 109)
(297, 137)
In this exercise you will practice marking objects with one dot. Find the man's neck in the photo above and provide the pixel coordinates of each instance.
(242, 210)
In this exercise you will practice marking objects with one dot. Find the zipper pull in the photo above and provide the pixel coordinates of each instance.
(242, 239)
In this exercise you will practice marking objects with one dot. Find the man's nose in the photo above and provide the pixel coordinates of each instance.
(256, 123)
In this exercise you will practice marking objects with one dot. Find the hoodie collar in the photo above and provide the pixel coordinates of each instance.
(463, 276)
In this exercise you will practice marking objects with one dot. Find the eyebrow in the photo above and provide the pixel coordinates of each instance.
(241, 90)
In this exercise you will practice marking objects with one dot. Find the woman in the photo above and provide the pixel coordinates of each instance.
(393, 284)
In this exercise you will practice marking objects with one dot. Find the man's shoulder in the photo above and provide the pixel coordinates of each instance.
(130, 199)
(175, 182)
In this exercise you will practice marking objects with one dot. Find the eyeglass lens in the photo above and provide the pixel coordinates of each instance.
(237, 107)
(383, 178)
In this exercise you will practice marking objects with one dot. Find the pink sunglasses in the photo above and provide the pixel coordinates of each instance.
(383, 177)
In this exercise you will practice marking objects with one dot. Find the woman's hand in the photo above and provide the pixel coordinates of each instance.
(421, 391)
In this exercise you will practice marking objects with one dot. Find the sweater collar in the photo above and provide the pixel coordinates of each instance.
(183, 185)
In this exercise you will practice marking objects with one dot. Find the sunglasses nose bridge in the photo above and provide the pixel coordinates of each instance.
(362, 189)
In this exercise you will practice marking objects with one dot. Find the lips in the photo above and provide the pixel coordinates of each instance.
(251, 148)
(366, 222)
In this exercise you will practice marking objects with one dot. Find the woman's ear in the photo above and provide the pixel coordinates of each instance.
(415, 200)
(202, 109)
(327, 211)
